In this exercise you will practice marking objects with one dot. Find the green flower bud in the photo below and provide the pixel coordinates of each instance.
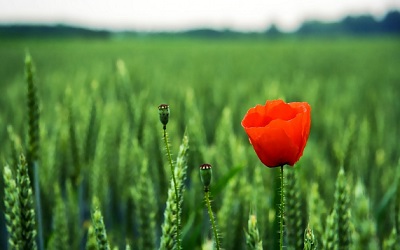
(205, 175)
(163, 111)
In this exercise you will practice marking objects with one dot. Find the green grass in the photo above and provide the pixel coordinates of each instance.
(99, 123)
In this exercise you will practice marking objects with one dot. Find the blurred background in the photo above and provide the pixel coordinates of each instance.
(211, 18)
(103, 67)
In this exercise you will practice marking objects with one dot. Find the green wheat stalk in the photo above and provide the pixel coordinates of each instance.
(33, 145)
(310, 243)
(75, 185)
(392, 242)
(98, 178)
(33, 113)
(365, 226)
(76, 175)
(293, 220)
(193, 118)
(124, 170)
(27, 212)
(146, 209)
(91, 242)
(100, 230)
(253, 240)
(124, 174)
(229, 210)
(397, 206)
(342, 208)
(171, 215)
(150, 145)
(258, 192)
(223, 139)
(72, 208)
(12, 209)
(317, 210)
(330, 237)
(91, 134)
(60, 239)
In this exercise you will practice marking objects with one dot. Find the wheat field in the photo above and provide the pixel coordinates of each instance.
(89, 123)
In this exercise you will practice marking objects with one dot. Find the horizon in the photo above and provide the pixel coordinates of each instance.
(178, 15)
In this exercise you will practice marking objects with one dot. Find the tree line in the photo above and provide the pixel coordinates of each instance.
(364, 25)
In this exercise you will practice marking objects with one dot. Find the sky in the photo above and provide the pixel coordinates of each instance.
(171, 15)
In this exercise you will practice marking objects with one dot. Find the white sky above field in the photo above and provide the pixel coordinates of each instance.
(155, 15)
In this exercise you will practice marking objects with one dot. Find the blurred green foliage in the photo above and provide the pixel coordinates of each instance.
(99, 123)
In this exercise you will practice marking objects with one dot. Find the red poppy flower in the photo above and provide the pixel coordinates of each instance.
(278, 131)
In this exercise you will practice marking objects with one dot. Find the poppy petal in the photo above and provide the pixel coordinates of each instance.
(278, 131)
(280, 110)
(274, 148)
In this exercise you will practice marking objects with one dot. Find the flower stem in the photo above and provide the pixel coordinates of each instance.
(281, 211)
(211, 214)
(178, 221)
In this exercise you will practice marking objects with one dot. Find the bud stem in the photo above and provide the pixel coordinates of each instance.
(178, 221)
(212, 219)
